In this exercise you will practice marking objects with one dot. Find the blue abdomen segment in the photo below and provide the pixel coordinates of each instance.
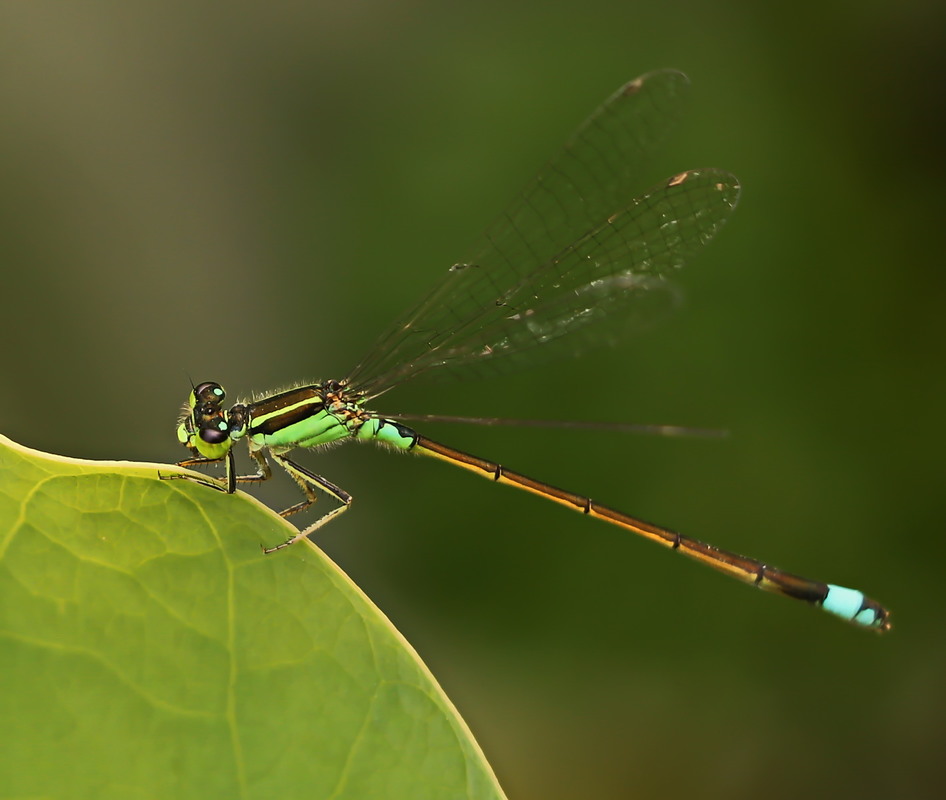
(854, 606)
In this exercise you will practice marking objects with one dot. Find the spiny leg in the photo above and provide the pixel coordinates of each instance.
(227, 484)
(230, 480)
(306, 481)
(263, 470)
(309, 482)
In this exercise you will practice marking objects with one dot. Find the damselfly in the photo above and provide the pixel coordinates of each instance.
(572, 261)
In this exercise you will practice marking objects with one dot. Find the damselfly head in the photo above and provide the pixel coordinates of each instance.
(203, 426)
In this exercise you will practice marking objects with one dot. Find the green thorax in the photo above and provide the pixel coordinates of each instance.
(307, 416)
(312, 416)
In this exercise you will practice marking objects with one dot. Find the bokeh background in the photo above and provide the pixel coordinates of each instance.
(250, 192)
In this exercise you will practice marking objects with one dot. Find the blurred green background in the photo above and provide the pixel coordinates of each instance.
(249, 193)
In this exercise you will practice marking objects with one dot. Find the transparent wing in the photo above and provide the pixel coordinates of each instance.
(573, 250)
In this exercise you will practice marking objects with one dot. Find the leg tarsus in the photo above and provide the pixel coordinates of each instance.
(203, 480)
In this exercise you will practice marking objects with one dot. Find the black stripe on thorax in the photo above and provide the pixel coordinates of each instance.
(287, 408)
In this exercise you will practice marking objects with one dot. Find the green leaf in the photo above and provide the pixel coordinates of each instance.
(149, 649)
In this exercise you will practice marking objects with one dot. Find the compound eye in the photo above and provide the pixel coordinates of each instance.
(209, 393)
(215, 432)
